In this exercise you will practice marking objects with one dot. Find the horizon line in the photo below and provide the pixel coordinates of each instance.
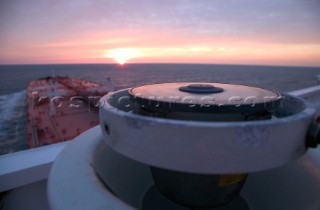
(157, 63)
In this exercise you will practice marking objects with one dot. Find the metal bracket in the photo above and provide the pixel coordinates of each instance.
(313, 135)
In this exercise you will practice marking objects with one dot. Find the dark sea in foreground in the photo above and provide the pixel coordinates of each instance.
(14, 79)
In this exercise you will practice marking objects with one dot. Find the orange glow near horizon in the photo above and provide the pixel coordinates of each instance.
(165, 49)
(103, 47)
(226, 52)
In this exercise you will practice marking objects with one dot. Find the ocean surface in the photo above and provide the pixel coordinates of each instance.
(14, 79)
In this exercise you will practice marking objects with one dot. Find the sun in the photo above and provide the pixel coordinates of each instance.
(122, 55)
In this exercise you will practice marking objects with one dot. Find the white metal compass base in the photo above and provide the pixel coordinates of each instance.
(122, 183)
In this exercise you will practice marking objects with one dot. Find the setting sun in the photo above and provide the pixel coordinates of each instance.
(121, 55)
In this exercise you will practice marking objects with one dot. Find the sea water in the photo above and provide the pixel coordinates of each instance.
(14, 79)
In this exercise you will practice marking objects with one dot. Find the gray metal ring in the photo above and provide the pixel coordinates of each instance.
(206, 147)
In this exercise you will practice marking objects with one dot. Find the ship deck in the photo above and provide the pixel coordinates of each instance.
(60, 108)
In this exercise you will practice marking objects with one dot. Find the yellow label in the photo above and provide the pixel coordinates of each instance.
(230, 179)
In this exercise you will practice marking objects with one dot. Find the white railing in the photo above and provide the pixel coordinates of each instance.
(29, 166)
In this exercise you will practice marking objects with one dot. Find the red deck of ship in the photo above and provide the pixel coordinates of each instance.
(59, 109)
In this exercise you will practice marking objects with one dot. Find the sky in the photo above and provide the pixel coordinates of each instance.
(263, 32)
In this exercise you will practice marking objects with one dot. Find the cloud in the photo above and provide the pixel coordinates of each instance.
(286, 20)
(193, 26)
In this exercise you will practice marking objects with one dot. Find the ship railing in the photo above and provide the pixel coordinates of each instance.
(28, 166)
